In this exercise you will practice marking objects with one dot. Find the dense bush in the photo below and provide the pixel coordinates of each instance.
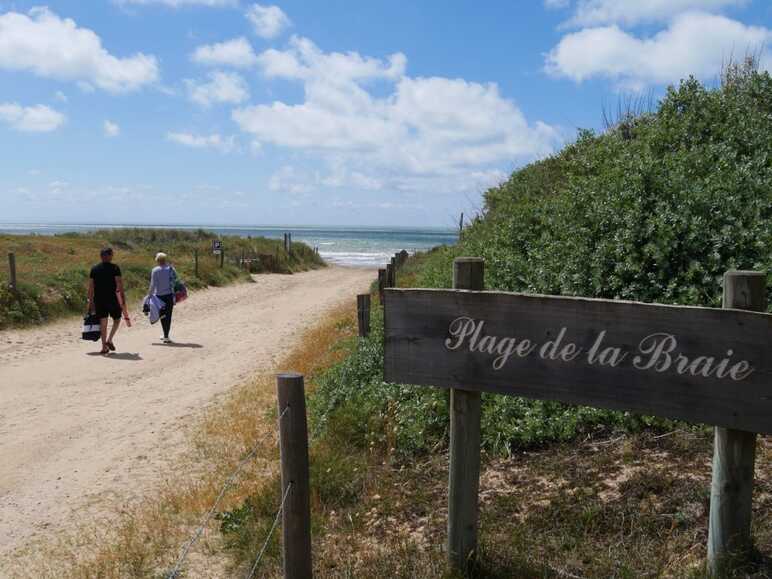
(655, 209)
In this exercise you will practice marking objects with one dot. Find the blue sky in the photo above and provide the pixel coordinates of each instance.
(332, 113)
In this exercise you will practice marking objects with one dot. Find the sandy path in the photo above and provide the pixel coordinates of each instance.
(78, 429)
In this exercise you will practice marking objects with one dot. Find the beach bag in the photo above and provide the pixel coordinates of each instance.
(91, 331)
(180, 291)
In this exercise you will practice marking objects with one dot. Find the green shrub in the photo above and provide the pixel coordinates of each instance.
(655, 210)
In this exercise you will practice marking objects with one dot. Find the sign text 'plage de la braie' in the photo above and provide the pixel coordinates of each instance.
(698, 364)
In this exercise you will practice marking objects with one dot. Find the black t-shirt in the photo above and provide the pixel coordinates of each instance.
(104, 275)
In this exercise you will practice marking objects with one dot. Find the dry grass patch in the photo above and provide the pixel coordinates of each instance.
(629, 507)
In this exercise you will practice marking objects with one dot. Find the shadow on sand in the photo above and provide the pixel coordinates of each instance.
(178, 345)
(118, 356)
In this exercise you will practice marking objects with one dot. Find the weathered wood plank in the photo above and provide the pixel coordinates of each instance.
(697, 364)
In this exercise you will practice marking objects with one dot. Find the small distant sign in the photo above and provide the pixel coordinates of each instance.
(216, 246)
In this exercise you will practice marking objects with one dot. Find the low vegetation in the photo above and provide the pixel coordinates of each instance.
(52, 271)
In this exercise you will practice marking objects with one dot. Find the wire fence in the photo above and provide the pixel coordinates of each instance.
(175, 572)
(270, 533)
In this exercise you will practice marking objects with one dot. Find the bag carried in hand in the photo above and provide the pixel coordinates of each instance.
(91, 330)
(179, 288)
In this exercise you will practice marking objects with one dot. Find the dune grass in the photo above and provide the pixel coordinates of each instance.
(52, 271)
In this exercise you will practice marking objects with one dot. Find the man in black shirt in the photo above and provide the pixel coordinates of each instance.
(104, 287)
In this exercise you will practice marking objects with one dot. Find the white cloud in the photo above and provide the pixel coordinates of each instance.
(180, 3)
(632, 12)
(35, 119)
(413, 132)
(214, 141)
(267, 21)
(304, 61)
(290, 180)
(237, 53)
(111, 129)
(556, 4)
(222, 87)
(695, 43)
(51, 47)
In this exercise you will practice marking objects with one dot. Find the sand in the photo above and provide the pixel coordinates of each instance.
(80, 432)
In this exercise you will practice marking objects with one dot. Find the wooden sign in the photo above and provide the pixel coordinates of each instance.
(216, 246)
(696, 364)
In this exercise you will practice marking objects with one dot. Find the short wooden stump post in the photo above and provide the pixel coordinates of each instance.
(734, 453)
(293, 444)
(464, 469)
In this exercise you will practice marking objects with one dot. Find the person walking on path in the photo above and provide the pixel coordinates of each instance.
(162, 280)
(105, 296)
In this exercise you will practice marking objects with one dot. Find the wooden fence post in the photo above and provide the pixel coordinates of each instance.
(734, 453)
(222, 257)
(381, 283)
(195, 262)
(12, 271)
(464, 471)
(293, 445)
(363, 314)
(391, 278)
(403, 256)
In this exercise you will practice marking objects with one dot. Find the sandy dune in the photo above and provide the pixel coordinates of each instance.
(78, 429)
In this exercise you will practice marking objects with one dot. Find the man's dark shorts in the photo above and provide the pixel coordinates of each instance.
(108, 309)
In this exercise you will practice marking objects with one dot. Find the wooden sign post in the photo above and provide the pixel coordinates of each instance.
(734, 451)
(464, 471)
(705, 365)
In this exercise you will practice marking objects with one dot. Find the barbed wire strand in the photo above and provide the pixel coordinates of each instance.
(174, 573)
(270, 533)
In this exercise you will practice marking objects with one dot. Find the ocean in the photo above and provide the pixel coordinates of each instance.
(351, 246)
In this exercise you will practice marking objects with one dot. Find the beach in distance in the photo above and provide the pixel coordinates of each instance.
(348, 246)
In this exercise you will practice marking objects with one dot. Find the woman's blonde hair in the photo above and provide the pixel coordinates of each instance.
(160, 257)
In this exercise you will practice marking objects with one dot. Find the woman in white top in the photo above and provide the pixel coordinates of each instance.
(162, 285)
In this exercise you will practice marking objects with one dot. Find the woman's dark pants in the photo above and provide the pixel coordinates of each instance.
(166, 320)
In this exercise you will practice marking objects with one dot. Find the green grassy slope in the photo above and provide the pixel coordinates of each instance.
(52, 271)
